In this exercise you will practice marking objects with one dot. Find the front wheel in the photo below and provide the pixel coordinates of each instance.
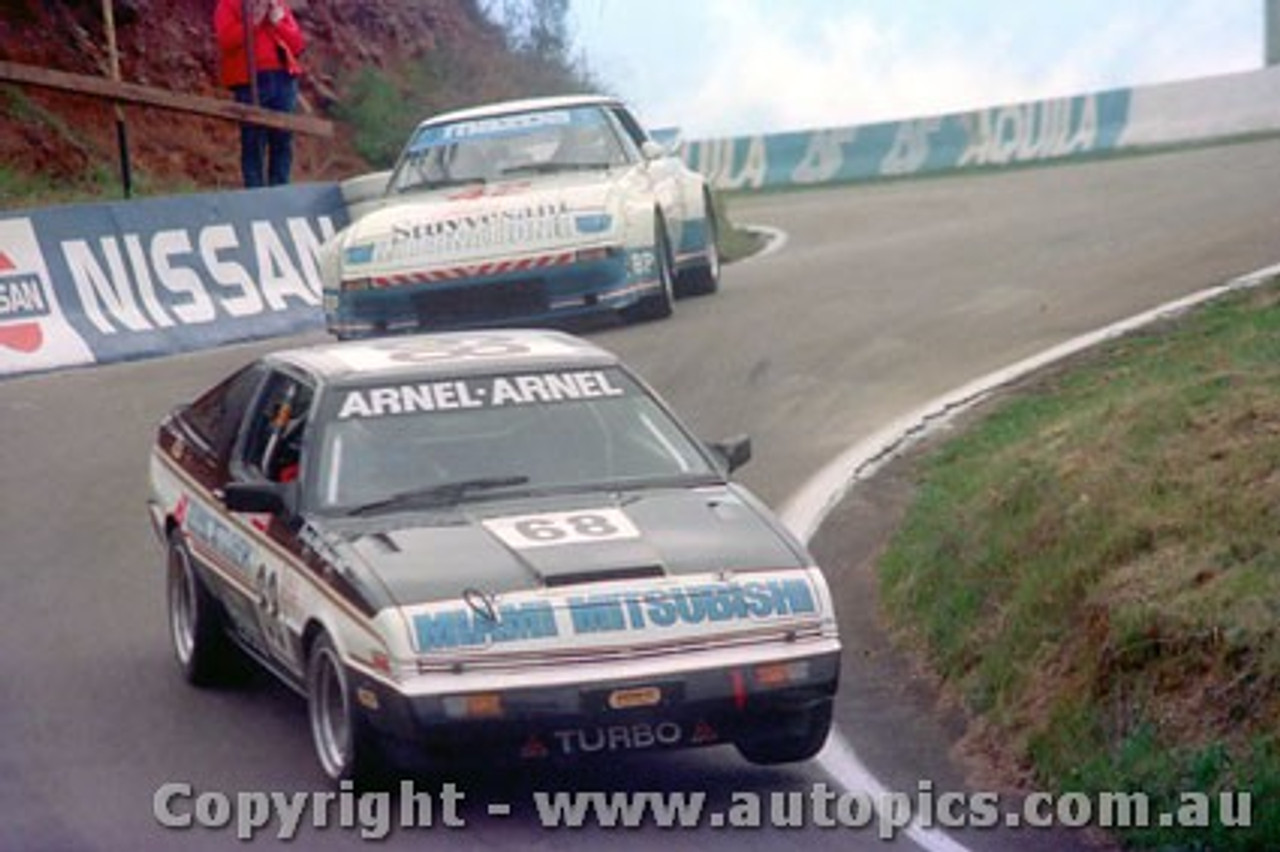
(659, 305)
(791, 738)
(346, 748)
(196, 629)
(704, 279)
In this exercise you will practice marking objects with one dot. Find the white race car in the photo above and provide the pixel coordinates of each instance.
(522, 213)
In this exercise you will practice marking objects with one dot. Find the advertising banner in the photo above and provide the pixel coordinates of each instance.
(117, 281)
(1000, 136)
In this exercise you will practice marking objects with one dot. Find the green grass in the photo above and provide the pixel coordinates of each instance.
(735, 243)
(1095, 567)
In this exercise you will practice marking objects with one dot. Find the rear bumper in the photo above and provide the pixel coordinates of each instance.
(690, 709)
(524, 297)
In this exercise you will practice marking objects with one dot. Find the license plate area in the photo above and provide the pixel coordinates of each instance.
(633, 698)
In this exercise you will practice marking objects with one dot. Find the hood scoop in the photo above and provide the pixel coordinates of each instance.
(602, 575)
(623, 558)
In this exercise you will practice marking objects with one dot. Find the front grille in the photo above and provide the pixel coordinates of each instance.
(498, 660)
(507, 300)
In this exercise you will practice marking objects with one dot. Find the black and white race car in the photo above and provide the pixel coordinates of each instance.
(497, 540)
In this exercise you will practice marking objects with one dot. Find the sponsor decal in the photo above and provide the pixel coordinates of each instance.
(525, 532)
(499, 127)
(463, 348)
(702, 734)
(1016, 133)
(34, 332)
(505, 125)
(709, 604)
(534, 749)
(540, 222)
(642, 264)
(214, 533)
(464, 627)
(634, 737)
(639, 610)
(149, 281)
(484, 392)
(22, 303)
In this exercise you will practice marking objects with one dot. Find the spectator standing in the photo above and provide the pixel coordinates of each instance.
(266, 154)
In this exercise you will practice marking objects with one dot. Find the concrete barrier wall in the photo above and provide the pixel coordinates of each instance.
(1013, 134)
(95, 283)
(1018, 133)
(1212, 108)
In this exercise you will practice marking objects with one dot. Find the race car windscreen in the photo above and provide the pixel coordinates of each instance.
(502, 147)
(526, 432)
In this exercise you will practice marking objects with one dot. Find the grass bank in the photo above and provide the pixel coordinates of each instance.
(1094, 568)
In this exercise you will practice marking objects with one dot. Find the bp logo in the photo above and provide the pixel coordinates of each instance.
(22, 304)
(35, 332)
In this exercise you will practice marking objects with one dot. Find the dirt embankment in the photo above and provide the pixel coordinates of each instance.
(69, 139)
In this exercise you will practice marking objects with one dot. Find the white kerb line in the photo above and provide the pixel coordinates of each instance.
(806, 509)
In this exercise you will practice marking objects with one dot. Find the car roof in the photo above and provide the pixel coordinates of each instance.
(443, 354)
(525, 105)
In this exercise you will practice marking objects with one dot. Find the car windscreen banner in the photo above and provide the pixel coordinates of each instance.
(122, 280)
(505, 126)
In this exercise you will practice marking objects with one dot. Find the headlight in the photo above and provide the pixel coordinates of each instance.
(359, 254)
(593, 223)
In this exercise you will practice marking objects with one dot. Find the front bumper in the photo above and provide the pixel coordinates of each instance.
(527, 296)
(690, 709)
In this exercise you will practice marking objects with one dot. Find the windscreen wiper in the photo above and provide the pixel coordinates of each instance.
(444, 494)
(443, 183)
(551, 167)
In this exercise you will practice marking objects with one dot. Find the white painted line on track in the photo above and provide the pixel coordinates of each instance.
(774, 240)
(839, 760)
(806, 509)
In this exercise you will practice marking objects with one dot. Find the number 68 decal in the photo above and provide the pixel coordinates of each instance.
(556, 529)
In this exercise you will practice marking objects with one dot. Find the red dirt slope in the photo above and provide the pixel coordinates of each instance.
(71, 139)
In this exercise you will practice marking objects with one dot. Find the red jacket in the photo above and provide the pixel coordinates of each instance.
(276, 46)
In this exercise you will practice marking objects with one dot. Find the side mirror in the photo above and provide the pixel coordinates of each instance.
(651, 150)
(733, 452)
(256, 497)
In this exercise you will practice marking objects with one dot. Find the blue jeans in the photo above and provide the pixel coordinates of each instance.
(279, 91)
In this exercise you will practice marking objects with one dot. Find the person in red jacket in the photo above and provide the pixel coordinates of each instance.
(277, 42)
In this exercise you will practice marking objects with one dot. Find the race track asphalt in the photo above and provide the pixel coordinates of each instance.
(883, 297)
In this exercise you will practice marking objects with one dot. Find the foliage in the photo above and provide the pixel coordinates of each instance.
(1095, 567)
(383, 106)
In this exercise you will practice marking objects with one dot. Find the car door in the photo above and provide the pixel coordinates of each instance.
(269, 450)
(197, 440)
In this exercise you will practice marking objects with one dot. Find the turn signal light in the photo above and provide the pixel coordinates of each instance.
(479, 705)
(780, 674)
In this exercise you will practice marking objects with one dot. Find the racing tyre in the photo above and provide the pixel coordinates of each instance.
(659, 305)
(347, 749)
(196, 623)
(704, 279)
(789, 739)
